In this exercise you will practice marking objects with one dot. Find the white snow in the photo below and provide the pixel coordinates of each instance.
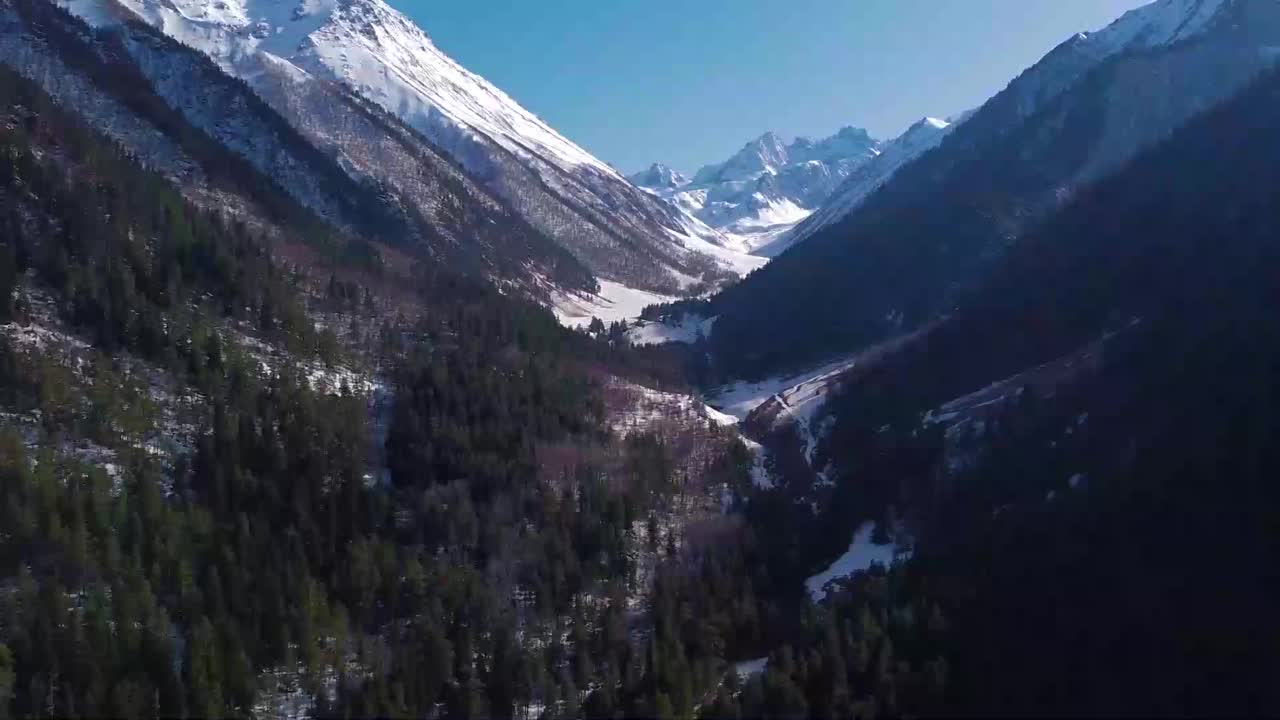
(751, 668)
(770, 212)
(687, 330)
(718, 417)
(734, 260)
(376, 52)
(645, 407)
(760, 476)
(860, 556)
(40, 337)
(1157, 23)
(320, 377)
(364, 43)
(801, 391)
(766, 188)
(615, 303)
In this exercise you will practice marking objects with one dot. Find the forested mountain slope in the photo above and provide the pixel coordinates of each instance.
(938, 227)
(236, 486)
(1082, 455)
(270, 448)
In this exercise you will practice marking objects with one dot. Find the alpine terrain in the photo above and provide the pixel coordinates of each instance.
(901, 256)
(303, 57)
(333, 383)
(767, 187)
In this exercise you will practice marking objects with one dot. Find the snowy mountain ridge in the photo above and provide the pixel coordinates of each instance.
(1158, 23)
(285, 49)
(767, 186)
(365, 43)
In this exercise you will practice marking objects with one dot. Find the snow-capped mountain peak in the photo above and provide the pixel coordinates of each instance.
(848, 142)
(370, 46)
(766, 153)
(659, 177)
(767, 186)
(369, 50)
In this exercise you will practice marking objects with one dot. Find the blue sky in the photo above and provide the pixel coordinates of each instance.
(688, 82)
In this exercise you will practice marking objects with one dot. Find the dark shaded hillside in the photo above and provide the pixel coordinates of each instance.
(940, 226)
(1104, 544)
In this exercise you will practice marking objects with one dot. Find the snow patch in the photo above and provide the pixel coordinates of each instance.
(614, 303)
(751, 668)
(760, 476)
(688, 329)
(801, 391)
(645, 408)
(860, 556)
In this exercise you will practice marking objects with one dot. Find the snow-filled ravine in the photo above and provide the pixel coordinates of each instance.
(688, 330)
(861, 555)
(801, 390)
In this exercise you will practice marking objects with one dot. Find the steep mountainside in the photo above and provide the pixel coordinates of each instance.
(1089, 429)
(367, 48)
(174, 108)
(901, 258)
(766, 187)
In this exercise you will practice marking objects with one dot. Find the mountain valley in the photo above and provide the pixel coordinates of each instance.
(335, 383)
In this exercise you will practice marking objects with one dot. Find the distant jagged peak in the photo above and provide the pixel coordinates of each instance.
(770, 153)
(926, 126)
(848, 143)
(659, 177)
(767, 153)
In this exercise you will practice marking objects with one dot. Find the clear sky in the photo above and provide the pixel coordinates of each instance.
(688, 82)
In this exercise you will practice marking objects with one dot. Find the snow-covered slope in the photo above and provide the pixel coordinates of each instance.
(367, 175)
(1163, 22)
(767, 187)
(862, 554)
(371, 50)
